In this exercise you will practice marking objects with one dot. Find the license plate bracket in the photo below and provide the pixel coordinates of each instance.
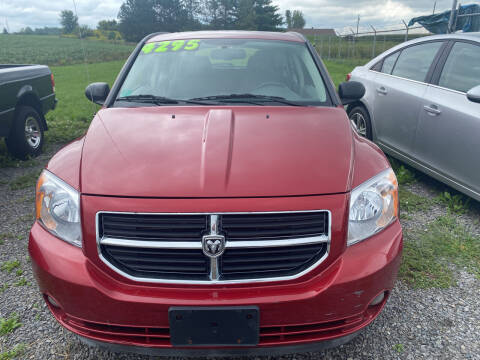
(214, 326)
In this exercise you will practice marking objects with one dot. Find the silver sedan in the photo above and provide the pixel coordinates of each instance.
(422, 106)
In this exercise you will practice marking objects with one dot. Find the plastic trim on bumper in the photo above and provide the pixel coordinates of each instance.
(258, 351)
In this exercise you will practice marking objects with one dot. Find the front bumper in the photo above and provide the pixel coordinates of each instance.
(329, 307)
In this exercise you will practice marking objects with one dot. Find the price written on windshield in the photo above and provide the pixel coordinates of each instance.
(166, 46)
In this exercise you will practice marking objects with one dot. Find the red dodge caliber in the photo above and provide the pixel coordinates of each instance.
(219, 203)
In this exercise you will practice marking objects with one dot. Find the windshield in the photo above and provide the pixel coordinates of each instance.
(216, 69)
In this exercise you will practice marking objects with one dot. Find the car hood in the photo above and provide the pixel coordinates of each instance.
(187, 152)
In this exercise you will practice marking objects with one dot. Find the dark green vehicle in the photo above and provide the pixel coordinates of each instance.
(27, 93)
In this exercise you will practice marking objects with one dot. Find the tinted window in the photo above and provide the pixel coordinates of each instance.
(186, 69)
(462, 69)
(389, 62)
(414, 62)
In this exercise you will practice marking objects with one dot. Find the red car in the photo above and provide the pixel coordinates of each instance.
(220, 203)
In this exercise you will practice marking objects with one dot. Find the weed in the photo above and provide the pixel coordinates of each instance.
(9, 266)
(405, 175)
(14, 353)
(458, 203)
(22, 282)
(19, 272)
(398, 348)
(427, 253)
(3, 288)
(412, 202)
(25, 181)
(9, 325)
(4, 237)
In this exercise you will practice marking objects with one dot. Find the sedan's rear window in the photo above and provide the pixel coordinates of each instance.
(198, 68)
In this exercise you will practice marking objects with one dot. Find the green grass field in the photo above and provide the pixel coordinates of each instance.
(55, 50)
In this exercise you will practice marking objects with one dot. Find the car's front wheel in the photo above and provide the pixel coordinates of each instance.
(361, 121)
(26, 136)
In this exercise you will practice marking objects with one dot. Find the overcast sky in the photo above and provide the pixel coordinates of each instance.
(338, 14)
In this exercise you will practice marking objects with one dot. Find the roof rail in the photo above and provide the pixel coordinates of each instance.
(149, 36)
(297, 34)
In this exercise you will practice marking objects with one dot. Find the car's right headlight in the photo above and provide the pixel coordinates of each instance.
(373, 206)
(58, 208)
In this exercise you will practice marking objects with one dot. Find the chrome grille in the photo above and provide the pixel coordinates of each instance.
(257, 246)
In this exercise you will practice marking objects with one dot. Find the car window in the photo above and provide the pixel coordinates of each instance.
(414, 61)
(462, 68)
(389, 62)
(377, 66)
(189, 69)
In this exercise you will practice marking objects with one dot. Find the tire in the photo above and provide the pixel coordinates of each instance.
(26, 135)
(361, 121)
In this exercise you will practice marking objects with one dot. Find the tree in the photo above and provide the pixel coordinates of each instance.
(267, 17)
(137, 19)
(244, 15)
(5, 31)
(107, 25)
(27, 31)
(298, 21)
(141, 17)
(84, 31)
(69, 21)
(288, 19)
(193, 9)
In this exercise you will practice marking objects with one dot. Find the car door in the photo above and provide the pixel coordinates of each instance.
(399, 89)
(448, 136)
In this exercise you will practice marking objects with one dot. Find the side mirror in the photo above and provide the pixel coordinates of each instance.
(474, 94)
(350, 91)
(97, 92)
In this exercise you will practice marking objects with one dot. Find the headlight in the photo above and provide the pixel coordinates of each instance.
(373, 206)
(58, 208)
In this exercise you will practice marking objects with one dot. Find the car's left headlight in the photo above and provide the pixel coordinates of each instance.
(58, 208)
(373, 206)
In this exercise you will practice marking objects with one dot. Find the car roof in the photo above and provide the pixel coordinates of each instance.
(229, 34)
(473, 36)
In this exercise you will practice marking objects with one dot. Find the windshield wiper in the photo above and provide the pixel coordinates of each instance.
(158, 100)
(147, 99)
(248, 98)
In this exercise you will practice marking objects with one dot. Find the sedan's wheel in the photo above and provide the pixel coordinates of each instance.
(361, 121)
(26, 135)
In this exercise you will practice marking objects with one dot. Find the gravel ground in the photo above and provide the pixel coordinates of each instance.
(415, 324)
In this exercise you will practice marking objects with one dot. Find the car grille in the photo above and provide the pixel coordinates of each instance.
(274, 226)
(269, 261)
(153, 227)
(254, 246)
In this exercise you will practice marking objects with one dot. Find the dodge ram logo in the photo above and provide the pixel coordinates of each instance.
(213, 245)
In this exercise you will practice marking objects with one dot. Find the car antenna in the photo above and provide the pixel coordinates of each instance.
(84, 53)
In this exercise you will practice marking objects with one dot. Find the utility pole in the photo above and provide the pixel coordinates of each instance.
(434, 7)
(374, 40)
(452, 16)
(406, 27)
(355, 37)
